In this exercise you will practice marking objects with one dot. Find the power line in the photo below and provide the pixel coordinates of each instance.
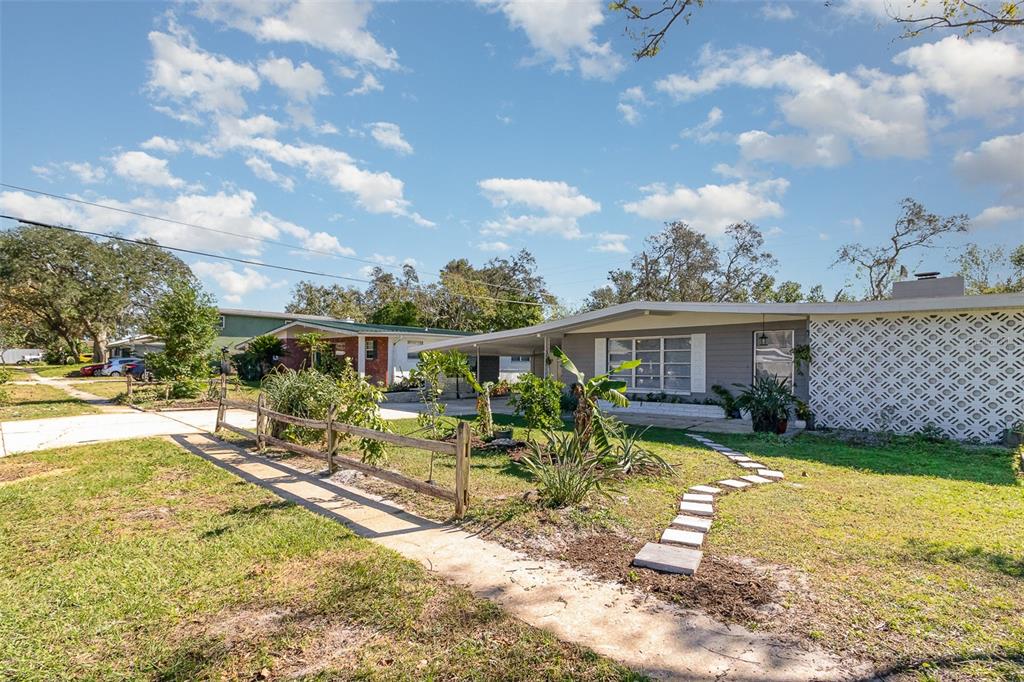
(244, 261)
(263, 240)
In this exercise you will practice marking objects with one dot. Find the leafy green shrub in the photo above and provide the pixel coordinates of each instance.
(565, 472)
(568, 402)
(727, 401)
(538, 401)
(185, 318)
(5, 377)
(258, 357)
(310, 394)
(186, 387)
(768, 401)
(932, 434)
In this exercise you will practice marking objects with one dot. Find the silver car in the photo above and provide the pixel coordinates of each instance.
(115, 367)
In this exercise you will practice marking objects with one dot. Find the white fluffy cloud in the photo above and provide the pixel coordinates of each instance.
(561, 206)
(711, 208)
(234, 213)
(881, 115)
(234, 283)
(998, 162)
(777, 11)
(630, 102)
(161, 144)
(999, 215)
(798, 150)
(301, 83)
(367, 85)
(185, 74)
(981, 77)
(338, 27)
(389, 136)
(141, 168)
(704, 132)
(84, 171)
(563, 31)
(261, 168)
(495, 246)
(611, 242)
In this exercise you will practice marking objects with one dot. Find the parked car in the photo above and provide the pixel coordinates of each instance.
(138, 371)
(90, 370)
(115, 367)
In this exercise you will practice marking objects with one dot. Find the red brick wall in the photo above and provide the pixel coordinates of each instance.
(377, 370)
(294, 357)
(350, 346)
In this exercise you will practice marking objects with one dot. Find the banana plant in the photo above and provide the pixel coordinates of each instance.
(587, 392)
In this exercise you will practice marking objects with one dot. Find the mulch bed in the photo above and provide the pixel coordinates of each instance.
(724, 589)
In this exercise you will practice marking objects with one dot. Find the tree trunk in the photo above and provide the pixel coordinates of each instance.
(99, 346)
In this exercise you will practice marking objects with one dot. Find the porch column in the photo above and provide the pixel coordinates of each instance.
(361, 353)
(547, 353)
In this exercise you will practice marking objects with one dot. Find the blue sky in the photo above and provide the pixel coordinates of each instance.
(428, 131)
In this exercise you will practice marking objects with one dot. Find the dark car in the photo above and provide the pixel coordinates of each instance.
(89, 370)
(138, 370)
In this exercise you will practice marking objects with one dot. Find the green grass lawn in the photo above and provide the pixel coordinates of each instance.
(904, 553)
(36, 401)
(137, 560)
(52, 371)
(153, 396)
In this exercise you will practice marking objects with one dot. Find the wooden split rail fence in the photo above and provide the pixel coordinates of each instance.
(335, 430)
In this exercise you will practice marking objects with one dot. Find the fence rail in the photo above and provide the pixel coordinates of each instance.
(265, 417)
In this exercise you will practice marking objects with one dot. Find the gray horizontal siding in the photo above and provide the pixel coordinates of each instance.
(729, 356)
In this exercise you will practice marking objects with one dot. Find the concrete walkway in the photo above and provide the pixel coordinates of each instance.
(645, 634)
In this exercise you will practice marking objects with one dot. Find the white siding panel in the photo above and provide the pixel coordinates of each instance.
(698, 363)
(600, 356)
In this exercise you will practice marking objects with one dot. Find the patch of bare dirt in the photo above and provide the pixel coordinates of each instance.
(27, 471)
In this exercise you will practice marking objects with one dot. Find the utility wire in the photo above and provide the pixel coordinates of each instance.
(244, 261)
(263, 240)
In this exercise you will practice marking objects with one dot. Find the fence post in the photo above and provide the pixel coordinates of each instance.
(463, 439)
(128, 385)
(220, 402)
(332, 439)
(261, 427)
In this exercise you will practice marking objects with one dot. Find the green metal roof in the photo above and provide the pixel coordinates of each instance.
(363, 328)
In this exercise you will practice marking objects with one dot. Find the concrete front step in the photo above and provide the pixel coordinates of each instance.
(685, 538)
(754, 478)
(697, 508)
(668, 558)
(733, 483)
(770, 473)
(705, 489)
(698, 497)
(687, 522)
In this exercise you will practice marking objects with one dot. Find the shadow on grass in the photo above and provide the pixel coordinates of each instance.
(1005, 659)
(975, 557)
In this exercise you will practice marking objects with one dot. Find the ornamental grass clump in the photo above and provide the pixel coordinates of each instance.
(565, 472)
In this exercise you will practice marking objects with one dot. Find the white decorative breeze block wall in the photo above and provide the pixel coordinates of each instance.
(961, 371)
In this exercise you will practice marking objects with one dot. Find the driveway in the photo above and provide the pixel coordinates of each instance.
(42, 434)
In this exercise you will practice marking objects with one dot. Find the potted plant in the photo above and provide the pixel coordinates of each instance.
(1014, 436)
(768, 400)
(804, 414)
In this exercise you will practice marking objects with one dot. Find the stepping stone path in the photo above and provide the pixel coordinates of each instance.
(678, 549)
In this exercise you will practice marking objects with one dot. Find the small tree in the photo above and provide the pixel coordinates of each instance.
(430, 375)
(313, 343)
(538, 401)
(186, 319)
(262, 350)
(588, 392)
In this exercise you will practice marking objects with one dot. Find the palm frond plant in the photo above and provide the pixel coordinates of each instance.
(768, 400)
(566, 473)
(631, 457)
(589, 391)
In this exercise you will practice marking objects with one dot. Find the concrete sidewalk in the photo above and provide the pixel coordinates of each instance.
(645, 634)
(42, 434)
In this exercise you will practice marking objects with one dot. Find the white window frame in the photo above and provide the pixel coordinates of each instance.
(221, 322)
(661, 363)
(792, 345)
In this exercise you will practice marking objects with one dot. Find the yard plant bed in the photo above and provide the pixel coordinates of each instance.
(904, 552)
(151, 397)
(38, 401)
(138, 560)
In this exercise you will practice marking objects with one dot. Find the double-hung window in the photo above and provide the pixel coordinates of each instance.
(664, 362)
(773, 354)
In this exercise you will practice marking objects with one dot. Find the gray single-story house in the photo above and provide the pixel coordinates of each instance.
(927, 356)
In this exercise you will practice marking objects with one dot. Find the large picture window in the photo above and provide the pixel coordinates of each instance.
(773, 355)
(664, 362)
